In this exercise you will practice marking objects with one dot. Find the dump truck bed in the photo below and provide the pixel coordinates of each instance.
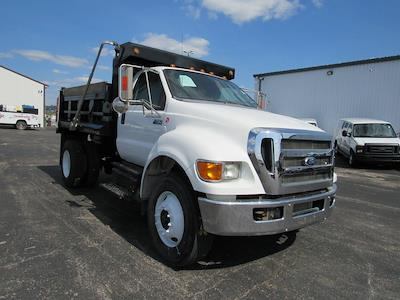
(96, 116)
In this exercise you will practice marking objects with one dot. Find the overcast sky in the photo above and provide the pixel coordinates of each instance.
(55, 41)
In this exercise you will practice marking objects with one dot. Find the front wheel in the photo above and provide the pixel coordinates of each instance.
(352, 159)
(174, 222)
(21, 125)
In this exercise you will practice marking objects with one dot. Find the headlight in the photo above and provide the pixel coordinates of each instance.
(359, 149)
(217, 171)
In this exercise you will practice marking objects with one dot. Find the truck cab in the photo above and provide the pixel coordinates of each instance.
(367, 140)
(195, 152)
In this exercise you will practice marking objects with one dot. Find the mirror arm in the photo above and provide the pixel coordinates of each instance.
(150, 107)
(148, 89)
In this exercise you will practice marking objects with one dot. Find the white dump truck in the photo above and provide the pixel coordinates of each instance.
(195, 151)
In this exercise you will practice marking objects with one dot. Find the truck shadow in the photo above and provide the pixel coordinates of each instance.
(125, 219)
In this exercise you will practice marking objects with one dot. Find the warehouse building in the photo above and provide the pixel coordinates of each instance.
(366, 88)
(18, 90)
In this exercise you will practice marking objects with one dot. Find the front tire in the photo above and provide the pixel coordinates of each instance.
(73, 163)
(174, 222)
(21, 125)
(352, 159)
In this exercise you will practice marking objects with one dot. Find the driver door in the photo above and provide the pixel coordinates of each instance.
(346, 139)
(140, 128)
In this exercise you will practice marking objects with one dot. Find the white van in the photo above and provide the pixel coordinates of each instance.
(367, 140)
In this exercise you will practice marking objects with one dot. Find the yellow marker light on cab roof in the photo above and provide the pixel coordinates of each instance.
(209, 171)
(172, 65)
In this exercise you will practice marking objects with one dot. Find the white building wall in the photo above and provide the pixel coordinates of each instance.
(19, 90)
(369, 90)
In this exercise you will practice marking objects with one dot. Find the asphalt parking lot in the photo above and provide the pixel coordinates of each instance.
(88, 244)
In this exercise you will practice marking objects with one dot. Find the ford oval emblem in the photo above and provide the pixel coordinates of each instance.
(309, 161)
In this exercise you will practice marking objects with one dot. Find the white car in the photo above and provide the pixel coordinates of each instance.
(310, 121)
(367, 140)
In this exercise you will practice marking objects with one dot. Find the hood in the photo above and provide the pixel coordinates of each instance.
(227, 115)
(365, 140)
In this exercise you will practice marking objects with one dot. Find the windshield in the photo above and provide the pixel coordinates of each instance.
(195, 86)
(374, 130)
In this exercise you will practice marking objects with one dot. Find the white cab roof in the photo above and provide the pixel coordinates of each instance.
(364, 121)
(308, 120)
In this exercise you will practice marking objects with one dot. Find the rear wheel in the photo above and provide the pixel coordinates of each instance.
(73, 163)
(21, 125)
(174, 222)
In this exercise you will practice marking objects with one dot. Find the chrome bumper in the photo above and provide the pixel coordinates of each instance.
(235, 218)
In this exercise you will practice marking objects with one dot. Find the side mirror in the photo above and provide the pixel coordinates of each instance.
(125, 83)
(119, 106)
(344, 133)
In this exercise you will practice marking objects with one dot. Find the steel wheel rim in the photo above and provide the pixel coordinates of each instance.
(66, 163)
(169, 219)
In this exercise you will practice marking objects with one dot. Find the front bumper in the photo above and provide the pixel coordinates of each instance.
(378, 158)
(235, 218)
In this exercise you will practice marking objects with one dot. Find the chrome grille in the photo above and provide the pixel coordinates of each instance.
(295, 170)
(298, 178)
(298, 161)
(295, 160)
(299, 144)
(381, 149)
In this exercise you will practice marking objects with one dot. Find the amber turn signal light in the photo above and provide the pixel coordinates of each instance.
(209, 171)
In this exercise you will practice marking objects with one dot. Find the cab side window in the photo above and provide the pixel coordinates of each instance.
(350, 128)
(156, 89)
(140, 90)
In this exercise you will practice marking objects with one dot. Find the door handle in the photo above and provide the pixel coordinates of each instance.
(157, 122)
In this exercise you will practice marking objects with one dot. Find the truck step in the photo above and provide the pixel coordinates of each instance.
(116, 190)
(128, 168)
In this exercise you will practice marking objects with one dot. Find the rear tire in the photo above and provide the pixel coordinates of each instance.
(174, 222)
(73, 163)
(21, 125)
